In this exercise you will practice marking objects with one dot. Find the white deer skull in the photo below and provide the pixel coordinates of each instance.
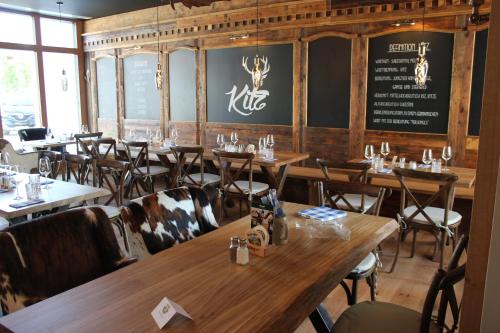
(258, 74)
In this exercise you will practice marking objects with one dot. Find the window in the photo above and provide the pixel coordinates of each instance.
(19, 93)
(16, 28)
(58, 33)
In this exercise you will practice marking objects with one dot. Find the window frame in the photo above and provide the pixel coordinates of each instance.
(39, 49)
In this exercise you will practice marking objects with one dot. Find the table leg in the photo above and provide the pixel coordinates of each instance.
(172, 170)
(276, 181)
(321, 320)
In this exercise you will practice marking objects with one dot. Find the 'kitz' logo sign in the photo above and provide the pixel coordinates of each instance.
(247, 101)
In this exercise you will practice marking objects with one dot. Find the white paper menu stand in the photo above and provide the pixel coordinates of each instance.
(166, 310)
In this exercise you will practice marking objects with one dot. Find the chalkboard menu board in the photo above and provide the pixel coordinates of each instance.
(182, 71)
(329, 90)
(106, 87)
(142, 99)
(395, 102)
(476, 99)
(231, 97)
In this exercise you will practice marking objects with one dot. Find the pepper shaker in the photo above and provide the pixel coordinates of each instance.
(233, 248)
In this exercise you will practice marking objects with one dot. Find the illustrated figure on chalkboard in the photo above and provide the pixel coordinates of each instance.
(422, 66)
(258, 74)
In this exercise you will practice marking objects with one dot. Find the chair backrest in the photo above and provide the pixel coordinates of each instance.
(27, 162)
(104, 148)
(112, 173)
(356, 172)
(31, 134)
(141, 151)
(336, 193)
(56, 162)
(185, 167)
(445, 192)
(77, 165)
(84, 142)
(46, 256)
(229, 175)
(444, 282)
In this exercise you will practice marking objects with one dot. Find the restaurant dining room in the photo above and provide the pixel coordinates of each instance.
(250, 166)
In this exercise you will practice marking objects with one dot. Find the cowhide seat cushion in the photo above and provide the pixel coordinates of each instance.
(159, 221)
(44, 257)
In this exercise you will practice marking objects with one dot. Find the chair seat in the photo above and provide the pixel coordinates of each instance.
(208, 178)
(375, 317)
(154, 170)
(244, 185)
(355, 201)
(436, 214)
(366, 265)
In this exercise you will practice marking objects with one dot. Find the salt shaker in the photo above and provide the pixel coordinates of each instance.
(280, 230)
(233, 248)
(242, 257)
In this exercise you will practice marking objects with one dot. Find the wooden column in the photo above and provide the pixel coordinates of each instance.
(297, 87)
(165, 114)
(120, 120)
(93, 108)
(487, 174)
(359, 78)
(461, 79)
(304, 68)
(201, 95)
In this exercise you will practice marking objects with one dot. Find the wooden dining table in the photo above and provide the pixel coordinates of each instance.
(274, 170)
(59, 194)
(271, 294)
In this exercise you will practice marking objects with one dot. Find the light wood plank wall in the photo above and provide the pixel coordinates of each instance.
(298, 23)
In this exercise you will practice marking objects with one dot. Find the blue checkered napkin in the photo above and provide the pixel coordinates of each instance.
(323, 214)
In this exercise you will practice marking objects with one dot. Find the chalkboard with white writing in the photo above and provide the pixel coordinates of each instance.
(182, 71)
(142, 99)
(395, 101)
(476, 99)
(329, 83)
(231, 96)
(106, 87)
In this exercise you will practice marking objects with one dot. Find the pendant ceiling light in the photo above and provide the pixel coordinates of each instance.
(64, 77)
(257, 70)
(422, 65)
(159, 71)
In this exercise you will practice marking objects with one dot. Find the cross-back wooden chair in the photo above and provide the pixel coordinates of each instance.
(104, 149)
(84, 142)
(231, 182)
(381, 317)
(355, 173)
(335, 191)
(141, 172)
(56, 162)
(417, 214)
(187, 158)
(77, 166)
(112, 174)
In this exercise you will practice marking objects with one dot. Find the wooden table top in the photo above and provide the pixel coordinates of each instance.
(59, 194)
(46, 144)
(272, 294)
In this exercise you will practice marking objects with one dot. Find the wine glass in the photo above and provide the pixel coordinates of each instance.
(369, 152)
(234, 138)
(174, 134)
(384, 149)
(427, 156)
(84, 129)
(446, 155)
(270, 141)
(17, 179)
(131, 134)
(220, 141)
(44, 168)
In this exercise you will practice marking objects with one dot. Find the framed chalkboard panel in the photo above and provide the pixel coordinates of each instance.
(476, 99)
(182, 71)
(395, 102)
(142, 99)
(106, 87)
(329, 86)
(230, 94)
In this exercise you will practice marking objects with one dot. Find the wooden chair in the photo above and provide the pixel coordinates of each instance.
(77, 166)
(141, 172)
(56, 162)
(230, 183)
(112, 173)
(380, 317)
(84, 142)
(31, 134)
(355, 173)
(416, 215)
(104, 149)
(368, 268)
(185, 167)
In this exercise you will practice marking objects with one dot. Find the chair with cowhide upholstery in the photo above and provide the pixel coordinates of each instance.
(161, 220)
(47, 256)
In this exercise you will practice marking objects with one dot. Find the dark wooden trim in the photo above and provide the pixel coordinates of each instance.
(81, 74)
(201, 96)
(41, 78)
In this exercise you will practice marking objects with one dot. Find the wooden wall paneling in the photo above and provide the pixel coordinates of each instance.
(487, 180)
(359, 78)
(201, 96)
(327, 143)
(92, 110)
(81, 76)
(461, 79)
(303, 92)
(165, 97)
(297, 84)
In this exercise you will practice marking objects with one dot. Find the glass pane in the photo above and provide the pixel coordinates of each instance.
(19, 93)
(63, 105)
(16, 28)
(58, 33)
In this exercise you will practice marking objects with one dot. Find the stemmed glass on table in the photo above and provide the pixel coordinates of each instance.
(17, 179)
(369, 152)
(174, 135)
(44, 169)
(234, 138)
(427, 156)
(384, 149)
(446, 155)
(220, 141)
